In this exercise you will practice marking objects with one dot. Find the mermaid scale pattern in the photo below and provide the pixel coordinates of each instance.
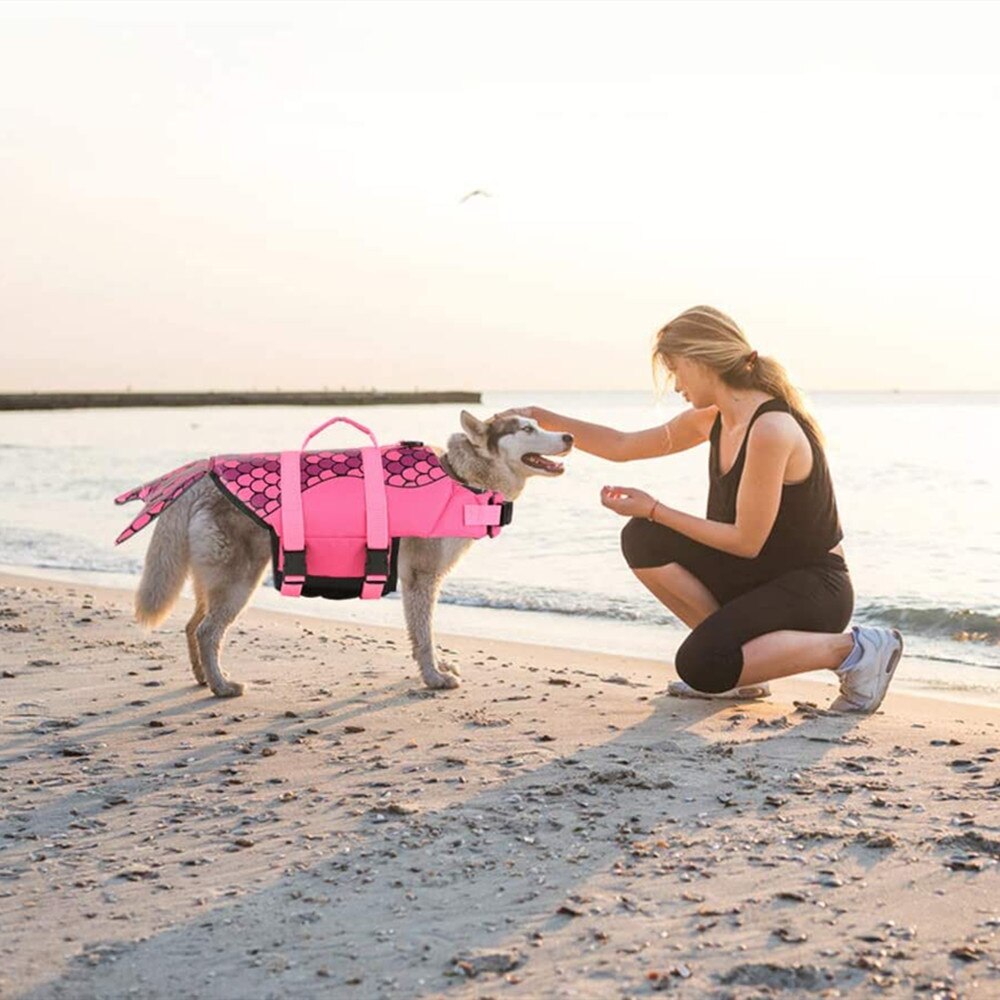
(255, 480)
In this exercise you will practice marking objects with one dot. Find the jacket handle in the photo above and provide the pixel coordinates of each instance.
(334, 420)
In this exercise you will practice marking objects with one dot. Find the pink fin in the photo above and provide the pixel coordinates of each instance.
(160, 493)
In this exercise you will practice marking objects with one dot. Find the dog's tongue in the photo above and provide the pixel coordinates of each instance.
(537, 461)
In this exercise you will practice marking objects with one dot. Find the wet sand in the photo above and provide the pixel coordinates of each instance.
(557, 826)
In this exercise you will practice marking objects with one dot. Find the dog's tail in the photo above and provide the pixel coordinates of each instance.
(165, 569)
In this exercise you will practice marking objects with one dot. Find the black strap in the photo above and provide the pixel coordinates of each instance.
(376, 562)
(294, 563)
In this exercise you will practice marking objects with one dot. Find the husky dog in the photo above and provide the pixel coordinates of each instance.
(226, 553)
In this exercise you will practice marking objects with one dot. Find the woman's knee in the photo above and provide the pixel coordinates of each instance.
(708, 661)
(630, 541)
(645, 544)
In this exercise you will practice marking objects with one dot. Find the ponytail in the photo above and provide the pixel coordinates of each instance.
(770, 376)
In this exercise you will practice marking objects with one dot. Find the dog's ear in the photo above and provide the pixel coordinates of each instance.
(475, 429)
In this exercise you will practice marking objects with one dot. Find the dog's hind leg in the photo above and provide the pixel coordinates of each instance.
(225, 601)
(229, 554)
(194, 654)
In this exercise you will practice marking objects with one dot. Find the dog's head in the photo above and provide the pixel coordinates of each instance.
(519, 443)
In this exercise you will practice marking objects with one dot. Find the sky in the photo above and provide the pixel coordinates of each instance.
(258, 195)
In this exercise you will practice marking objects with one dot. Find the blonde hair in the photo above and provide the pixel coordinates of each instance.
(711, 337)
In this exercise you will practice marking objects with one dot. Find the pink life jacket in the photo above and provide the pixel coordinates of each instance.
(336, 517)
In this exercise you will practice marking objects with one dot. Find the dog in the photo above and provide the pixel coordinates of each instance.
(226, 554)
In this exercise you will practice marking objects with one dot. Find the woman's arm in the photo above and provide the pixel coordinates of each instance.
(768, 449)
(684, 431)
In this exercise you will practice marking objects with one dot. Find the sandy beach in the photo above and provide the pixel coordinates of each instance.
(557, 827)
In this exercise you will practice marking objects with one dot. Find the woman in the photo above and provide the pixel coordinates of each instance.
(762, 580)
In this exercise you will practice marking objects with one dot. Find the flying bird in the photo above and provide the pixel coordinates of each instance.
(479, 192)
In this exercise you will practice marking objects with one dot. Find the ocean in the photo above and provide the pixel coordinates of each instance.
(916, 477)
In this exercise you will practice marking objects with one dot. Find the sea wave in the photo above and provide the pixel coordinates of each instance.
(959, 624)
(577, 604)
(53, 550)
(977, 626)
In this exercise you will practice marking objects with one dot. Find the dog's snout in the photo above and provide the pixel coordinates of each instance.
(568, 440)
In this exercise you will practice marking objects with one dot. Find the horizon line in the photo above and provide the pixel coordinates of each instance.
(421, 390)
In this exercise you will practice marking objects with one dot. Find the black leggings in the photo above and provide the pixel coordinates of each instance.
(814, 598)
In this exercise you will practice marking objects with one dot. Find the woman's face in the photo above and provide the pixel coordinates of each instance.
(692, 381)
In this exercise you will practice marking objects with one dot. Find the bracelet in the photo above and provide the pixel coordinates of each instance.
(652, 512)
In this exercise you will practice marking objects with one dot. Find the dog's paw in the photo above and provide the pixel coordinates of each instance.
(230, 689)
(450, 668)
(439, 680)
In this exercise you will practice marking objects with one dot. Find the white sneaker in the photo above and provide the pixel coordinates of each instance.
(863, 685)
(681, 689)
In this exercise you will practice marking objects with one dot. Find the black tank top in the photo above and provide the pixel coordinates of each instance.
(807, 525)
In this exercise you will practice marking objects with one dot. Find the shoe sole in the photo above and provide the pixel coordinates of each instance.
(888, 673)
(749, 692)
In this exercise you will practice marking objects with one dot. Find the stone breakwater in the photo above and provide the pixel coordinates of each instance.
(117, 400)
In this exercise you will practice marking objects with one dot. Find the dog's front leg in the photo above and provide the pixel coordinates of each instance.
(424, 562)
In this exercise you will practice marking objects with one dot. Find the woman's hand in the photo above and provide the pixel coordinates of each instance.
(626, 501)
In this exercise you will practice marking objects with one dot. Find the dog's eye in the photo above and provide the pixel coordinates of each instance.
(530, 430)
